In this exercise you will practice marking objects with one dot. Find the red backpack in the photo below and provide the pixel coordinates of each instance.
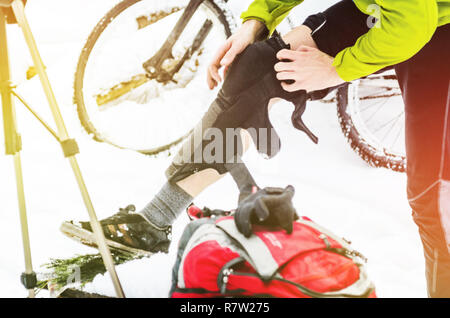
(216, 260)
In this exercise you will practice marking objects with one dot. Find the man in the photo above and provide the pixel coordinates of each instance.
(341, 44)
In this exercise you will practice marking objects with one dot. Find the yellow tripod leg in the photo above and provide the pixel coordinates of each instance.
(18, 9)
(23, 220)
(13, 147)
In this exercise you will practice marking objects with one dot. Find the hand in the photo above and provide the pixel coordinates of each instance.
(269, 207)
(246, 35)
(309, 68)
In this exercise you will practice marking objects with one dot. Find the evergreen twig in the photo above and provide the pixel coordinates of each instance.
(88, 266)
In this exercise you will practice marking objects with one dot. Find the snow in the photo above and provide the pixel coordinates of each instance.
(333, 186)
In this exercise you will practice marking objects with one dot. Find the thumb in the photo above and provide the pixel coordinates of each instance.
(286, 218)
(242, 220)
(290, 191)
(261, 210)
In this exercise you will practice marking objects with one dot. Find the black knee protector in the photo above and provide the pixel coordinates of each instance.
(248, 87)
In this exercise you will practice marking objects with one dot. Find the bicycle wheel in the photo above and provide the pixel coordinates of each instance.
(117, 103)
(372, 118)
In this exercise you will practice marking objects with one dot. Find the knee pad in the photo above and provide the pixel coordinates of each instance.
(242, 103)
(248, 87)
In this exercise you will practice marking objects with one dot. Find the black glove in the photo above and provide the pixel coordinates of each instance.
(269, 207)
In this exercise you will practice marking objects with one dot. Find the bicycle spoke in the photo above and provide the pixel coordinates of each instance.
(381, 106)
(397, 137)
(389, 130)
(369, 106)
(396, 118)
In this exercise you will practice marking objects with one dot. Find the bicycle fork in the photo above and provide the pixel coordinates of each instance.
(154, 66)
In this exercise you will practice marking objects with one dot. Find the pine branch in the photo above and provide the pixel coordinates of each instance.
(81, 269)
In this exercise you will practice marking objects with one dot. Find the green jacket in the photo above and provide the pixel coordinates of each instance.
(405, 26)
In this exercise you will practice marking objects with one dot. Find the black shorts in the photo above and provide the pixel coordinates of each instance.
(338, 27)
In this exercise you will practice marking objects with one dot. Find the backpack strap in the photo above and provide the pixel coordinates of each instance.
(262, 261)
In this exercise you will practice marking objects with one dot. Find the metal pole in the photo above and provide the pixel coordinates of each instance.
(19, 13)
(24, 222)
(13, 147)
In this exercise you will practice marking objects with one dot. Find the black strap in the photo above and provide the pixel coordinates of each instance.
(242, 177)
(29, 280)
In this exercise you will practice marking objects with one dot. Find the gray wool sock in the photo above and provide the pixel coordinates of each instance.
(166, 206)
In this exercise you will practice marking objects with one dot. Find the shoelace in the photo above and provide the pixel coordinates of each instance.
(119, 217)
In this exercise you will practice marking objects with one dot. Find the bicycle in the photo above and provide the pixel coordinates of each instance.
(143, 54)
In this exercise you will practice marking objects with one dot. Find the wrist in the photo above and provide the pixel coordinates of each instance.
(301, 35)
(255, 28)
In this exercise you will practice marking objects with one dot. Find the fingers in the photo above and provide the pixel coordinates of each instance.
(229, 57)
(261, 210)
(281, 208)
(283, 67)
(286, 54)
(282, 76)
(304, 48)
(242, 219)
(225, 70)
(235, 49)
(289, 87)
(271, 207)
(221, 53)
(209, 79)
(281, 198)
(290, 191)
(285, 218)
(288, 225)
(213, 77)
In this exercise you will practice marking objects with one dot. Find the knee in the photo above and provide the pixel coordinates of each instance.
(249, 67)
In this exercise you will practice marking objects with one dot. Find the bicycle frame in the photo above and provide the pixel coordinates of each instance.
(154, 66)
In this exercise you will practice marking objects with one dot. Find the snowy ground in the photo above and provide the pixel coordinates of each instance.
(333, 186)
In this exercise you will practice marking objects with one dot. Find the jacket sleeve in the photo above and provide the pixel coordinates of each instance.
(404, 27)
(270, 12)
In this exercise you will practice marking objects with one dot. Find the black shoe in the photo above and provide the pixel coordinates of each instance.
(124, 231)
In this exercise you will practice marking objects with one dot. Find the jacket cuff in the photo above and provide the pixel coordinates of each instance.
(264, 18)
(349, 68)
